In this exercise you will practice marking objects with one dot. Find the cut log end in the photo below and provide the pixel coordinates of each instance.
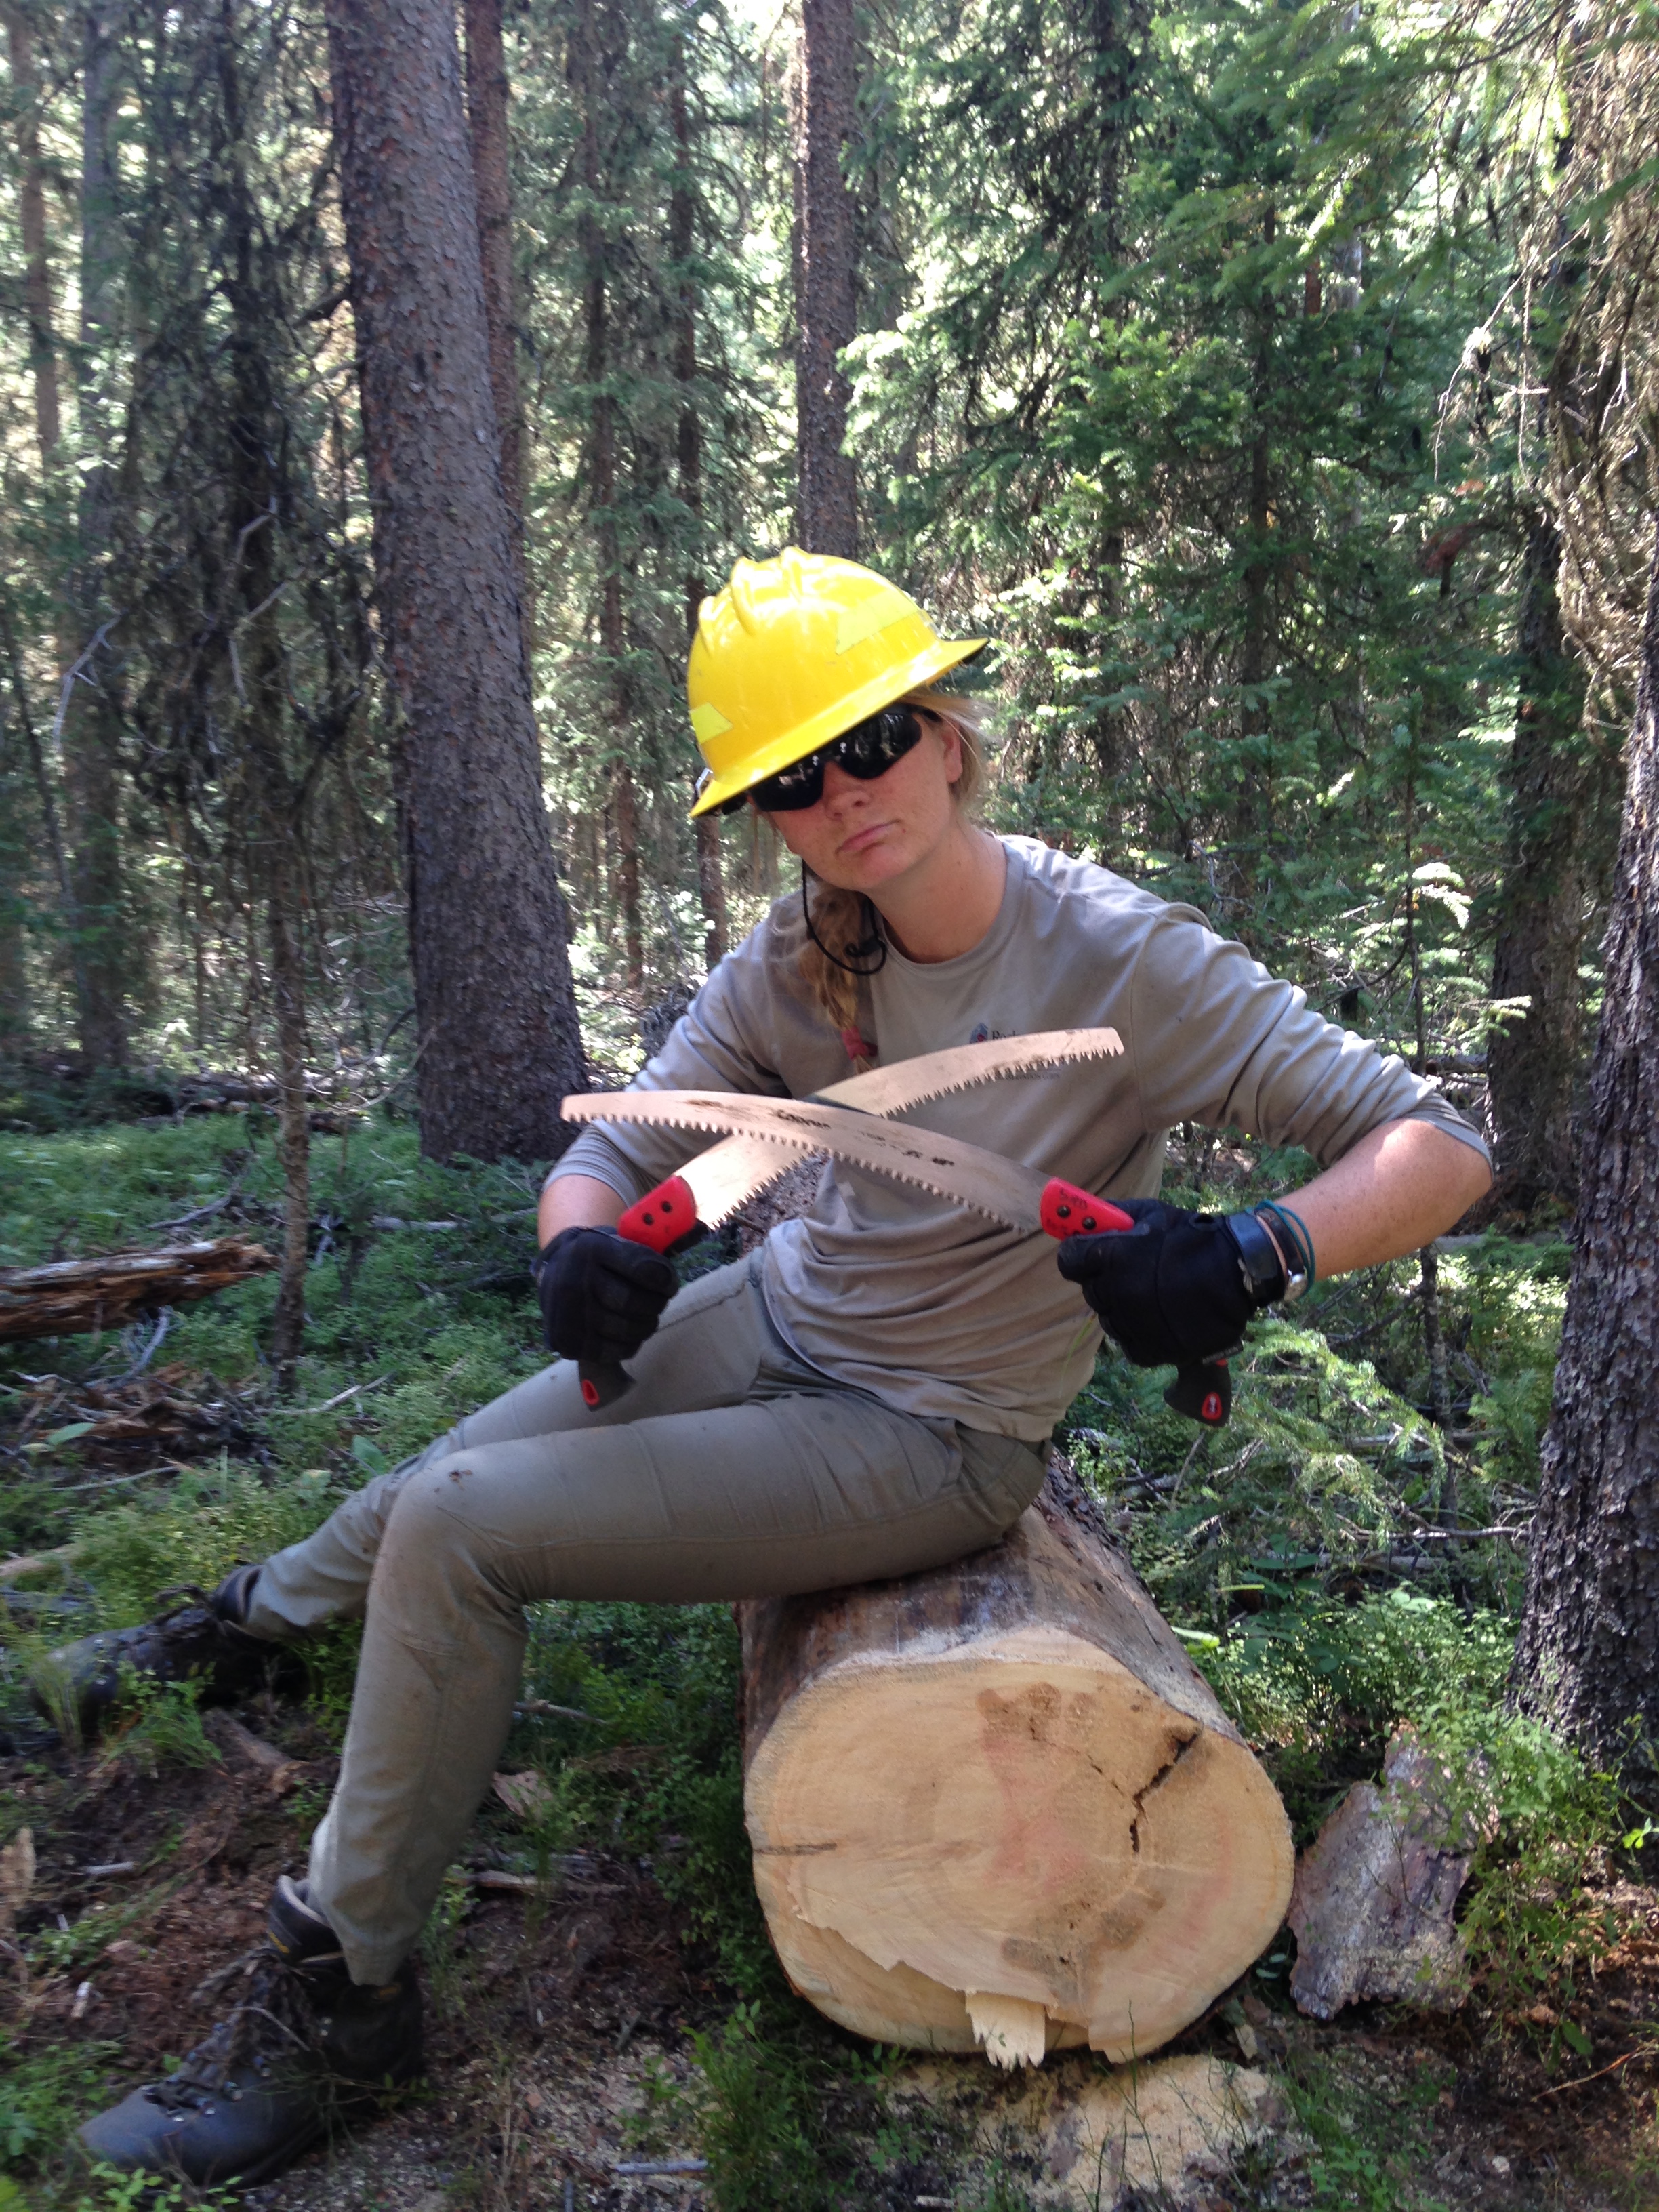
(996, 1807)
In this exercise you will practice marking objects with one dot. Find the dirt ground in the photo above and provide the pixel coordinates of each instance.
(560, 2026)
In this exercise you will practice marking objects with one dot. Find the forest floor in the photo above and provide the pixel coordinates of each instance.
(626, 2009)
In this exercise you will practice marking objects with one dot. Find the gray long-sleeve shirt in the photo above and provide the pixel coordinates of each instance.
(928, 1305)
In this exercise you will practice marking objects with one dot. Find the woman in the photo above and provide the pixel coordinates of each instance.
(868, 1395)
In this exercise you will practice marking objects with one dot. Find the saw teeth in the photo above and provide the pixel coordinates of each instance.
(806, 1146)
(1003, 1075)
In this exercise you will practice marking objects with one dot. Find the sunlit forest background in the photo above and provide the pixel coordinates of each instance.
(1277, 387)
(1274, 385)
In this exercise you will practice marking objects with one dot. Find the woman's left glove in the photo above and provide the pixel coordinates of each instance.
(1176, 1288)
(601, 1296)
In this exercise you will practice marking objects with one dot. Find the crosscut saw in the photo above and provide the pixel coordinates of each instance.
(846, 1120)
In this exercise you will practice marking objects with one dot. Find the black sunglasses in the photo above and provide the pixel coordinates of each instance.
(868, 750)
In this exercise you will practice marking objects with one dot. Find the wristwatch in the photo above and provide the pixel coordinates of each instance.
(1267, 1278)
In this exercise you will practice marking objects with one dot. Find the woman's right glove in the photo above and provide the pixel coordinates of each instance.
(1176, 1287)
(601, 1296)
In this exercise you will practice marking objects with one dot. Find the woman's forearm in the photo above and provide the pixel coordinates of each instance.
(1401, 1186)
(577, 1202)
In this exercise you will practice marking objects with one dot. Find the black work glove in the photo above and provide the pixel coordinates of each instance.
(601, 1296)
(1171, 1290)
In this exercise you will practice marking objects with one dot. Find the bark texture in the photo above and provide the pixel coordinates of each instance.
(91, 715)
(826, 279)
(486, 112)
(498, 1037)
(1559, 799)
(31, 212)
(682, 224)
(273, 815)
(994, 1805)
(1588, 1657)
(602, 489)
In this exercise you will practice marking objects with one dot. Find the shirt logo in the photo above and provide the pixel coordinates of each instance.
(984, 1034)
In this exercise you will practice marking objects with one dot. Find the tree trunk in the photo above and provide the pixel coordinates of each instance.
(826, 280)
(274, 821)
(486, 112)
(37, 269)
(90, 713)
(602, 494)
(1558, 794)
(1256, 657)
(682, 219)
(1588, 1657)
(995, 1804)
(499, 1041)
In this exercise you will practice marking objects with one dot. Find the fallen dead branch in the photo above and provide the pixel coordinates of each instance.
(33, 1562)
(69, 1296)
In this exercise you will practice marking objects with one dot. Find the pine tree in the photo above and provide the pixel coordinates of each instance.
(498, 1038)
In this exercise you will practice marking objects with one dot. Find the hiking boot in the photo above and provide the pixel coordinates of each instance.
(203, 1637)
(306, 2049)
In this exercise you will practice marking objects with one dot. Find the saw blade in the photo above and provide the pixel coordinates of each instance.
(966, 1174)
(733, 1171)
(738, 1169)
(931, 1075)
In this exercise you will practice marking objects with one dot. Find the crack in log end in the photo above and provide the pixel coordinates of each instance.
(1180, 1745)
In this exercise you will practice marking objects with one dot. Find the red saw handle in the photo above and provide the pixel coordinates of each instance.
(664, 1218)
(1203, 1389)
(667, 1216)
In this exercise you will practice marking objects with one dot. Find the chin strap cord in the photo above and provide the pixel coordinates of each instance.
(873, 946)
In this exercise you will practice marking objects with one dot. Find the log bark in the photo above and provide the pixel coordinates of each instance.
(499, 1041)
(68, 1297)
(995, 1806)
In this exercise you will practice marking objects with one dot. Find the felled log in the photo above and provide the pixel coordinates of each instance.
(69, 1296)
(994, 1805)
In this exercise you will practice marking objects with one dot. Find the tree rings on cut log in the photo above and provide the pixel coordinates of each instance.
(994, 1805)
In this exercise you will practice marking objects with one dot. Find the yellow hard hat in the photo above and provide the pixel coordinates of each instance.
(791, 653)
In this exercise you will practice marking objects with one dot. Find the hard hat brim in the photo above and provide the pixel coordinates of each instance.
(806, 736)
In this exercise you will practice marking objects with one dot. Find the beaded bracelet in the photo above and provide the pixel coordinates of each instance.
(1296, 1235)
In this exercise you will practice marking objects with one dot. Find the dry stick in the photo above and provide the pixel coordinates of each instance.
(1584, 2079)
(357, 1389)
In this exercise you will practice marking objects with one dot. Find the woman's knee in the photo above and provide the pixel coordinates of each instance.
(436, 1553)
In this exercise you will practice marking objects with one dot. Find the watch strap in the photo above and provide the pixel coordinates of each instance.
(1265, 1275)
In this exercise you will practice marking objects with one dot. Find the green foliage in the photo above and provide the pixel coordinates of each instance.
(1365, 2149)
(760, 2127)
(159, 1724)
(43, 2091)
(138, 2193)
(661, 1681)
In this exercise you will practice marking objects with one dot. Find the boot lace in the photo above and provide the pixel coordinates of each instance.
(275, 2025)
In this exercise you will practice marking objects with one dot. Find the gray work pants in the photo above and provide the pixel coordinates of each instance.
(731, 1469)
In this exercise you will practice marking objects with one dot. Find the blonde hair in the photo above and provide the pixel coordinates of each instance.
(840, 918)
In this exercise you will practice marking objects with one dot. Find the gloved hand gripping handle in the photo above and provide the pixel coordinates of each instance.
(666, 1218)
(1203, 1389)
(663, 1220)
